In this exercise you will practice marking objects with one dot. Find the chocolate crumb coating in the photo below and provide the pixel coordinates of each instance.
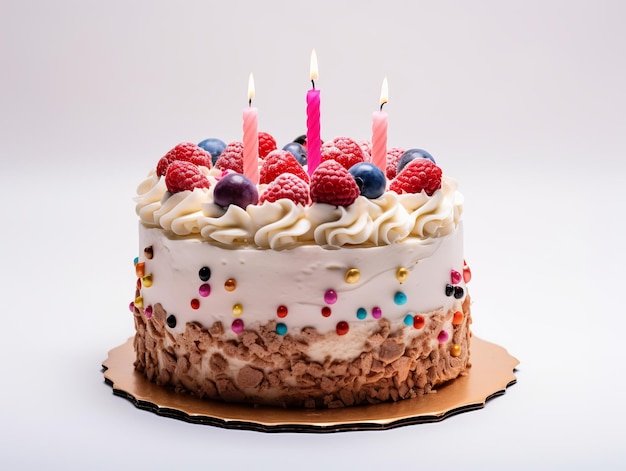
(262, 367)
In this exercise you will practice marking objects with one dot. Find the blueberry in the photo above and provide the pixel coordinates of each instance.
(213, 146)
(300, 139)
(236, 189)
(413, 154)
(369, 178)
(298, 151)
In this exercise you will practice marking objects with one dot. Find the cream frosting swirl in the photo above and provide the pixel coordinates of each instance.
(284, 224)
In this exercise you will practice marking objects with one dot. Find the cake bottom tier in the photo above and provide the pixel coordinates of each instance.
(262, 367)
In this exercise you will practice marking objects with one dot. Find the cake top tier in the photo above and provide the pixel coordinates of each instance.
(346, 202)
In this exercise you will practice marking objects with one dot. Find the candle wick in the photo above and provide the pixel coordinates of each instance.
(313, 83)
(249, 101)
(382, 104)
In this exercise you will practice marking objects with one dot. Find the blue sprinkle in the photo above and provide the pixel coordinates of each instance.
(136, 261)
(399, 298)
(281, 329)
(361, 313)
(408, 320)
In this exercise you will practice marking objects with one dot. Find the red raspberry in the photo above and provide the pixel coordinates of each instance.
(331, 183)
(266, 144)
(186, 151)
(366, 147)
(393, 158)
(351, 152)
(231, 158)
(419, 175)
(278, 162)
(287, 185)
(182, 175)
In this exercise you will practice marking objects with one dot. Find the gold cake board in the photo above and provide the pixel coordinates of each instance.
(491, 373)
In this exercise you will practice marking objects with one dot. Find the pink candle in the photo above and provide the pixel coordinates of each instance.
(313, 140)
(379, 131)
(251, 137)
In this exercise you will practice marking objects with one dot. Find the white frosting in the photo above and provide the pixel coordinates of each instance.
(283, 224)
(298, 279)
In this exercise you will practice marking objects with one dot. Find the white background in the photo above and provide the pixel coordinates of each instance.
(522, 101)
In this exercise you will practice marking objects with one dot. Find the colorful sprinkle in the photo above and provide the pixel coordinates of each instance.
(353, 275)
(455, 350)
(455, 277)
(330, 297)
(342, 328)
(135, 260)
(326, 311)
(147, 280)
(443, 336)
(138, 284)
(458, 318)
(449, 289)
(131, 306)
(204, 290)
(148, 252)
(230, 284)
(361, 313)
(402, 274)
(281, 329)
(458, 292)
(282, 311)
(418, 321)
(148, 312)
(204, 273)
(139, 302)
(237, 326)
(195, 304)
(408, 319)
(171, 321)
(467, 273)
(377, 312)
(237, 309)
(399, 298)
(140, 268)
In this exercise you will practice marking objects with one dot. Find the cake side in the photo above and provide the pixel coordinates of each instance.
(304, 327)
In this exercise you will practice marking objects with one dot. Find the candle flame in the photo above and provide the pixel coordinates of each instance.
(314, 75)
(250, 88)
(384, 93)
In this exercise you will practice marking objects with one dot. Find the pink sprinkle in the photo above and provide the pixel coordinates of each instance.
(204, 290)
(467, 273)
(455, 277)
(237, 326)
(148, 312)
(131, 306)
(443, 336)
(377, 312)
(330, 297)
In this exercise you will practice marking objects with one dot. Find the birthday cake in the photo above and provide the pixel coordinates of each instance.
(332, 287)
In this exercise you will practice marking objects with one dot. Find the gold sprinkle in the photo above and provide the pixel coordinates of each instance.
(402, 274)
(237, 309)
(147, 280)
(455, 351)
(353, 275)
